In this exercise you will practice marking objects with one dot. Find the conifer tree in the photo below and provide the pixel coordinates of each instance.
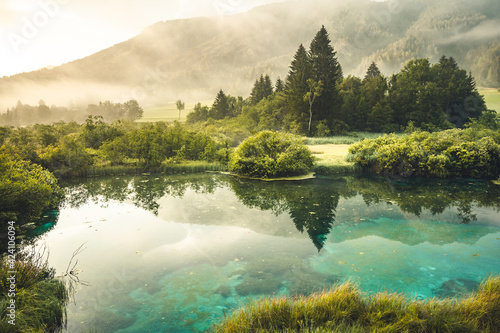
(296, 87)
(373, 71)
(262, 88)
(327, 69)
(220, 109)
(280, 86)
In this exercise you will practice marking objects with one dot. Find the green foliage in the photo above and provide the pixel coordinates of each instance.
(431, 97)
(221, 108)
(262, 88)
(346, 309)
(69, 156)
(326, 69)
(199, 114)
(452, 153)
(271, 155)
(40, 298)
(96, 131)
(26, 190)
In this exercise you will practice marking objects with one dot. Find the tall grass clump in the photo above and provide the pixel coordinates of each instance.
(346, 309)
(40, 298)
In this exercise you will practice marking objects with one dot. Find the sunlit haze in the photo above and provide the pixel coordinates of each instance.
(41, 33)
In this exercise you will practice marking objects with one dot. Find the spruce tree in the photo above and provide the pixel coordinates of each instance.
(267, 86)
(262, 88)
(372, 72)
(220, 109)
(280, 86)
(296, 87)
(327, 69)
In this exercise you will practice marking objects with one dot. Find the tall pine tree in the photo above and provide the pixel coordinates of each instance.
(373, 71)
(262, 88)
(296, 87)
(327, 69)
(221, 108)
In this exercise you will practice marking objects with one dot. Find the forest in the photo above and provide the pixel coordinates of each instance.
(317, 100)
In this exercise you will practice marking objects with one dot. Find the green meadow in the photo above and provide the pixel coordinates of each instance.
(492, 98)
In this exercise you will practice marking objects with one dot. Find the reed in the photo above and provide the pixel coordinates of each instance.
(346, 309)
(40, 298)
(121, 170)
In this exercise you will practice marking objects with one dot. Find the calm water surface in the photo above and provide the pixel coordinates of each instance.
(174, 253)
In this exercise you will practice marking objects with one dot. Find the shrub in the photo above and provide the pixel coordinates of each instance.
(452, 153)
(271, 155)
(26, 190)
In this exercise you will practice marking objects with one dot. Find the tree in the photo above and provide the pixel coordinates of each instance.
(459, 97)
(315, 90)
(180, 106)
(296, 88)
(280, 86)
(199, 113)
(262, 88)
(353, 110)
(132, 110)
(220, 109)
(373, 71)
(327, 69)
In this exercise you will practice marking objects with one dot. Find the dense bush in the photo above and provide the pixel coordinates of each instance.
(69, 149)
(453, 153)
(26, 190)
(271, 155)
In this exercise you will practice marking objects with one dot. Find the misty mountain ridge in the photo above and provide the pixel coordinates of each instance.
(191, 59)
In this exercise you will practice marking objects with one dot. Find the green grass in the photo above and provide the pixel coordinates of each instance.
(120, 170)
(168, 113)
(341, 140)
(492, 98)
(40, 298)
(346, 309)
(330, 159)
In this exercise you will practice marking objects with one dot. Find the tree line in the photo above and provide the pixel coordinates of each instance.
(26, 115)
(317, 100)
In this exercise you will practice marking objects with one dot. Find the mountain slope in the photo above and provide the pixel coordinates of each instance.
(192, 59)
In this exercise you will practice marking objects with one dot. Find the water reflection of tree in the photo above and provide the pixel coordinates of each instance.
(415, 196)
(144, 192)
(311, 203)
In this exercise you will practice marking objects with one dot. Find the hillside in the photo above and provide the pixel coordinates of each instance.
(192, 59)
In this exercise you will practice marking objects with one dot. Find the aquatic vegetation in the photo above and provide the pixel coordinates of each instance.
(352, 311)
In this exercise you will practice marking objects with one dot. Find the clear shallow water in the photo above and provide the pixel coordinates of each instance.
(173, 254)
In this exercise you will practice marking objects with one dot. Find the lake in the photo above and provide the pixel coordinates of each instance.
(176, 253)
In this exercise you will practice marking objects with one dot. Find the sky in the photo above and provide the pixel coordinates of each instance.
(41, 33)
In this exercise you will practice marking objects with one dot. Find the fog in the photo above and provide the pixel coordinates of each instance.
(191, 59)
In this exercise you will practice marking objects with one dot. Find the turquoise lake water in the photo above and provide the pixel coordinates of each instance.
(176, 253)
